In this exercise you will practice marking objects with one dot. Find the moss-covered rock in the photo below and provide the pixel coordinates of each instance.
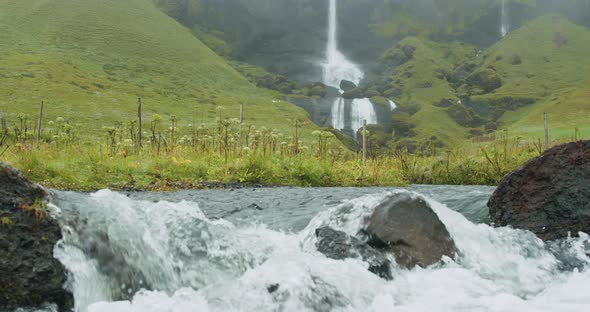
(402, 124)
(355, 93)
(486, 79)
(464, 116)
(379, 100)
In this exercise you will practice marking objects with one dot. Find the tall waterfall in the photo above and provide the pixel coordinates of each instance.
(337, 68)
(504, 24)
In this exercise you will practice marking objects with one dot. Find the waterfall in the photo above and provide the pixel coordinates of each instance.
(504, 25)
(362, 109)
(392, 105)
(337, 68)
(338, 114)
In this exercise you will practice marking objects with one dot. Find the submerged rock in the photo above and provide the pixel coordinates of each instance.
(407, 226)
(29, 274)
(339, 246)
(549, 195)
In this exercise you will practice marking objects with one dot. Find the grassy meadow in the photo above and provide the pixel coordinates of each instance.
(176, 157)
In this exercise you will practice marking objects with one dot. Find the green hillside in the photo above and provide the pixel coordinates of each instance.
(419, 82)
(553, 71)
(539, 67)
(89, 60)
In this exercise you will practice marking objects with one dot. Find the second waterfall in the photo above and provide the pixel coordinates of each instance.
(337, 68)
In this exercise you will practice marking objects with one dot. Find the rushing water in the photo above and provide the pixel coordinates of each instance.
(392, 105)
(338, 114)
(221, 250)
(337, 68)
(504, 24)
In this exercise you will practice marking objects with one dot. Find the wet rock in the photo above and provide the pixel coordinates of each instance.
(272, 288)
(29, 274)
(355, 93)
(339, 246)
(347, 85)
(332, 92)
(379, 100)
(318, 89)
(549, 195)
(408, 227)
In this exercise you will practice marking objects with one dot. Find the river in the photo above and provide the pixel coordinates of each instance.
(222, 250)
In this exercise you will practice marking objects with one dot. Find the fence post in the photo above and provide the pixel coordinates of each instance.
(241, 123)
(40, 123)
(546, 131)
(364, 141)
(4, 127)
(139, 122)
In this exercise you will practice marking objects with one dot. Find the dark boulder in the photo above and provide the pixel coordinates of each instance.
(347, 85)
(403, 226)
(406, 225)
(549, 195)
(339, 246)
(29, 274)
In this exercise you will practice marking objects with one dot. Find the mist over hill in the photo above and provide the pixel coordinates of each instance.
(288, 36)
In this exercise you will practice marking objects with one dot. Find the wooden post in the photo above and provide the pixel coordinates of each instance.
(139, 122)
(364, 141)
(546, 131)
(4, 127)
(40, 123)
(241, 122)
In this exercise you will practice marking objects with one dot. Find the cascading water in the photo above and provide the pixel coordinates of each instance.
(338, 114)
(392, 105)
(361, 110)
(504, 24)
(337, 68)
(145, 254)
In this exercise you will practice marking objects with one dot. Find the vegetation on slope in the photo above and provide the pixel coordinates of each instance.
(90, 61)
(455, 91)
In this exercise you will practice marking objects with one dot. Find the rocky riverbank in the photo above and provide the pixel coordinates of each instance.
(29, 274)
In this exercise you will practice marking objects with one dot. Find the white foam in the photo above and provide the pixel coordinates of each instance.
(496, 269)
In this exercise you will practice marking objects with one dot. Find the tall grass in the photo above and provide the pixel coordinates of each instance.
(173, 157)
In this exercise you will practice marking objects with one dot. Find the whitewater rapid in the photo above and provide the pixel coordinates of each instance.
(114, 245)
